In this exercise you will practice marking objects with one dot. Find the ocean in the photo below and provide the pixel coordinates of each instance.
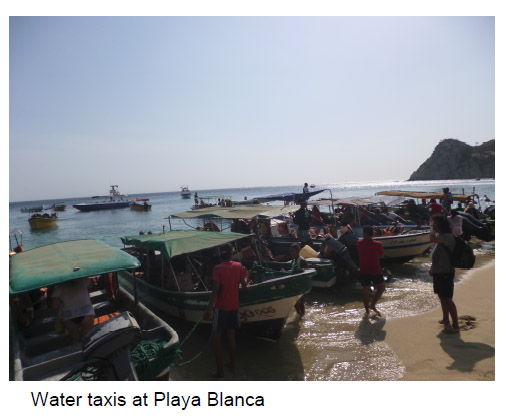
(110, 225)
(331, 341)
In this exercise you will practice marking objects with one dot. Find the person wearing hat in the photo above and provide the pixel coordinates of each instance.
(447, 200)
(302, 218)
(224, 305)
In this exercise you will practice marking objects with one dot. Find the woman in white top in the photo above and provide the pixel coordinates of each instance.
(75, 308)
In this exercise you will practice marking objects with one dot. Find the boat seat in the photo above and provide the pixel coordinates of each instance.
(42, 344)
(98, 296)
(40, 325)
(104, 308)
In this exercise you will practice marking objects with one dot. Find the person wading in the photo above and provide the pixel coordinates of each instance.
(443, 272)
(369, 254)
(227, 277)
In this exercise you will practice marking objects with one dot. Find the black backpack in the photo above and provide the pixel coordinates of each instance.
(462, 255)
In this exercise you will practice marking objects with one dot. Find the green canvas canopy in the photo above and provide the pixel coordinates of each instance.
(174, 243)
(62, 262)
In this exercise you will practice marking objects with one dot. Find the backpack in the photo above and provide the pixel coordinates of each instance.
(462, 255)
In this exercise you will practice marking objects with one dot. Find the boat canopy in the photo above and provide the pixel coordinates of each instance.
(175, 243)
(426, 195)
(62, 262)
(248, 212)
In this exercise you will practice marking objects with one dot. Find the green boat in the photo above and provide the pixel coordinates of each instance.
(128, 341)
(175, 279)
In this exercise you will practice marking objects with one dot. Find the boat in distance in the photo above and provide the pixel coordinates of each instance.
(185, 192)
(140, 204)
(115, 201)
(42, 221)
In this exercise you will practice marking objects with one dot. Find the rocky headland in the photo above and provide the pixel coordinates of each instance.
(453, 159)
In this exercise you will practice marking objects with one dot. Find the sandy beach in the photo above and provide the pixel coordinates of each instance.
(429, 354)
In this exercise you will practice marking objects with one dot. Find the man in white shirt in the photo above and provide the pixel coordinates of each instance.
(455, 221)
(75, 308)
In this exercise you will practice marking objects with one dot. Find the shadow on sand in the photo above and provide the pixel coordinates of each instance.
(464, 354)
(371, 330)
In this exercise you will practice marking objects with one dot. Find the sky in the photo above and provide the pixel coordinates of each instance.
(153, 103)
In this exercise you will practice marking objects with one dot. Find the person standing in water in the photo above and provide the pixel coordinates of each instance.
(305, 189)
(369, 254)
(224, 303)
(443, 272)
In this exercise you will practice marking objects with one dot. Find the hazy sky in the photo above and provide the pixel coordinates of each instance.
(154, 103)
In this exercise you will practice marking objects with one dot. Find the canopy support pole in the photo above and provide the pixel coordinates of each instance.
(175, 277)
(162, 273)
(196, 272)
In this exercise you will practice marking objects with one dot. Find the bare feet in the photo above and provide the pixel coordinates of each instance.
(375, 310)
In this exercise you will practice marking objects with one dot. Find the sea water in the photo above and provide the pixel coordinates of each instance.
(331, 342)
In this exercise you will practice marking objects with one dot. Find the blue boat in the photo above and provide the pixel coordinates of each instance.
(116, 200)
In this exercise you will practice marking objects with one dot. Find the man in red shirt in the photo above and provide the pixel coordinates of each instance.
(227, 276)
(369, 253)
(435, 208)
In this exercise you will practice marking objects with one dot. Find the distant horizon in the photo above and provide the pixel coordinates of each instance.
(317, 186)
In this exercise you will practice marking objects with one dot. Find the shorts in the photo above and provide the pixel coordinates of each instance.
(443, 284)
(371, 279)
(225, 320)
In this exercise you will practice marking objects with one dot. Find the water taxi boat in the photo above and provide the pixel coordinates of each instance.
(42, 221)
(128, 342)
(185, 192)
(175, 279)
(59, 206)
(140, 204)
(115, 201)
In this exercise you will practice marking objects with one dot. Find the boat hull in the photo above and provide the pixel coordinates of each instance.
(399, 248)
(404, 247)
(101, 206)
(42, 223)
(140, 207)
(264, 306)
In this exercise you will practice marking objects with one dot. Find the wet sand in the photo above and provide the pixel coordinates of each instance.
(429, 354)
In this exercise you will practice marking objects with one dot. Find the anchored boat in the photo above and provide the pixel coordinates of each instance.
(115, 201)
(175, 279)
(185, 192)
(59, 206)
(140, 204)
(42, 221)
(128, 342)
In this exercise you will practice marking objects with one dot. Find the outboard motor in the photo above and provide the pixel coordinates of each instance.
(106, 350)
(472, 226)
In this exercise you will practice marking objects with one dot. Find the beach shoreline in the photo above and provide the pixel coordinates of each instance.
(429, 354)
